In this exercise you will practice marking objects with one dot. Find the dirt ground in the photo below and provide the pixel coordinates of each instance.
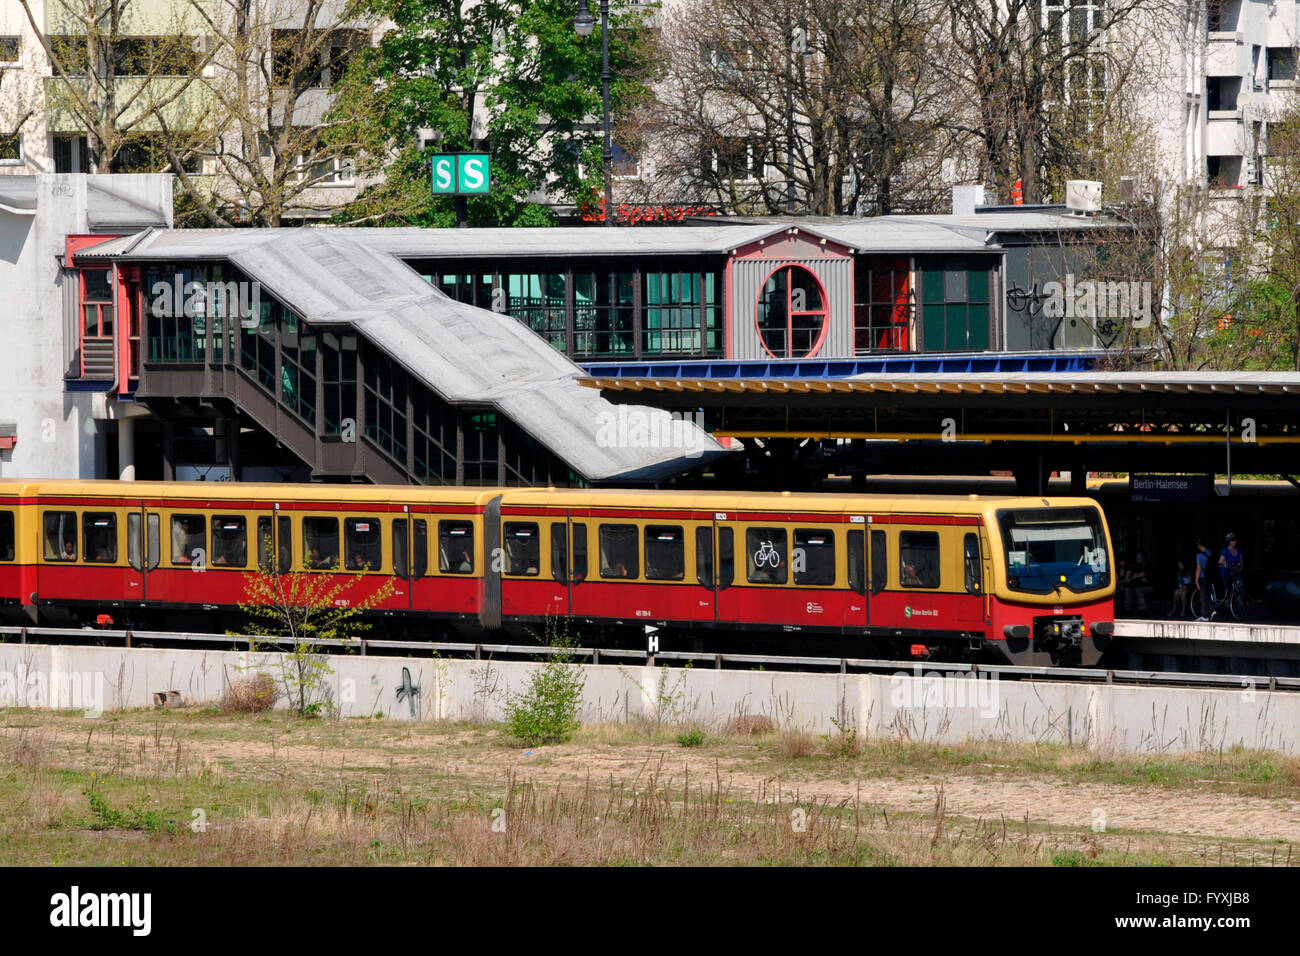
(745, 770)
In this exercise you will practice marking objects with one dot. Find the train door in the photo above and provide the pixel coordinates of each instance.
(582, 596)
(559, 532)
(706, 572)
(143, 553)
(857, 609)
(727, 598)
(970, 606)
(143, 549)
(407, 566)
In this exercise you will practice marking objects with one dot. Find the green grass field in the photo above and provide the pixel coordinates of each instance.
(199, 787)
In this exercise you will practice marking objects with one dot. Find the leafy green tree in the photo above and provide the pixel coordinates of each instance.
(507, 77)
(311, 609)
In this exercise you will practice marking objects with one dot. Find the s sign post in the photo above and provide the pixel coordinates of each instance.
(461, 175)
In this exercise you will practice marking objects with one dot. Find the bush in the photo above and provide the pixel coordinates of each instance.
(691, 738)
(249, 695)
(749, 725)
(547, 711)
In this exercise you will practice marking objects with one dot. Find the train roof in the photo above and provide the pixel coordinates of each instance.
(687, 500)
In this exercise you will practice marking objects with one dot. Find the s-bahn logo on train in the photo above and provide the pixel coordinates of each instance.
(241, 300)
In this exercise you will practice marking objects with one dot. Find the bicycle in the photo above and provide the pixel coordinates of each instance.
(1237, 600)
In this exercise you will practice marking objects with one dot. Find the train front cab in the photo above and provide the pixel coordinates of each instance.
(1053, 585)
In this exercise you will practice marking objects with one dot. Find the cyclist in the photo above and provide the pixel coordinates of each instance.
(1202, 578)
(1230, 561)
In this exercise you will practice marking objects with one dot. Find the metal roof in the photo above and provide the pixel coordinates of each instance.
(1003, 383)
(464, 354)
(108, 209)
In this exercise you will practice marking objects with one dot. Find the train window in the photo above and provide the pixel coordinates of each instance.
(455, 547)
(99, 536)
(971, 550)
(765, 557)
(189, 534)
(579, 553)
(726, 557)
(704, 556)
(229, 541)
(857, 561)
(618, 551)
(266, 544)
(523, 547)
(400, 548)
(134, 542)
(363, 548)
(559, 550)
(6, 535)
(814, 556)
(879, 563)
(320, 543)
(918, 559)
(665, 553)
(60, 536)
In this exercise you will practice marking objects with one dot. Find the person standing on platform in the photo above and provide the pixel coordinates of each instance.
(1202, 579)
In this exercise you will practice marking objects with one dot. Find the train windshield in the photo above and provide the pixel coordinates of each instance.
(1051, 548)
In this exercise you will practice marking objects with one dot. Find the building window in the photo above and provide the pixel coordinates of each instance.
(792, 313)
(96, 303)
(604, 307)
(882, 312)
(173, 55)
(538, 300)
(332, 171)
(298, 367)
(71, 154)
(386, 384)
(339, 351)
(681, 312)
(955, 305)
(10, 51)
(70, 56)
(737, 158)
(11, 149)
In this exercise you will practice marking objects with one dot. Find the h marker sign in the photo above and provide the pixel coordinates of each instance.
(461, 174)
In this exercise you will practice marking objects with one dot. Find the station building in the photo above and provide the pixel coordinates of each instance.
(456, 356)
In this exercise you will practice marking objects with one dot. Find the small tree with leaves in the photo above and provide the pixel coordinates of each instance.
(311, 609)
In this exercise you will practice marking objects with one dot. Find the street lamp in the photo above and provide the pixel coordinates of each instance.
(584, 23)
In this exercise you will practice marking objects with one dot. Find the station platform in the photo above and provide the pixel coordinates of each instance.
(1216, 632)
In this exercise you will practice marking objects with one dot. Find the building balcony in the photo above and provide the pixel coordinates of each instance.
(1225, 134)
(188, 109)
(1226, 54)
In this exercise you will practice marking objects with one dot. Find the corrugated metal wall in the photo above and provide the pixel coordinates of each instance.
(747, 279)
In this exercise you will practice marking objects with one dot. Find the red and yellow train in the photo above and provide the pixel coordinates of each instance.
(1022, 580)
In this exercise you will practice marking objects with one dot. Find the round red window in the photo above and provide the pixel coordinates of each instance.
(792, 313)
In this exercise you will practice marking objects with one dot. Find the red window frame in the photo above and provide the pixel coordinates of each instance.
(791, 312)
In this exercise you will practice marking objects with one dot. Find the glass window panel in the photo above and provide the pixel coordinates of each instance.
(455, 547)
(918, 559)
(618, 551)
(765, 555)
(814, 550)
(99, 535)
(363, 544)
(229, 541)
(523, 549)
(320, 543)
(189, 534)
(665, 553)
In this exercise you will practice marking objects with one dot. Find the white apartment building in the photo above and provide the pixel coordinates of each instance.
(160, 43)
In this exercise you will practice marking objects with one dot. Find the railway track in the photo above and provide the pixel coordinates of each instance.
(733, 661)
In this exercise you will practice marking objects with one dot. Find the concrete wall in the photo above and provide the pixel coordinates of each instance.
(914, 706)
(61, 433)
